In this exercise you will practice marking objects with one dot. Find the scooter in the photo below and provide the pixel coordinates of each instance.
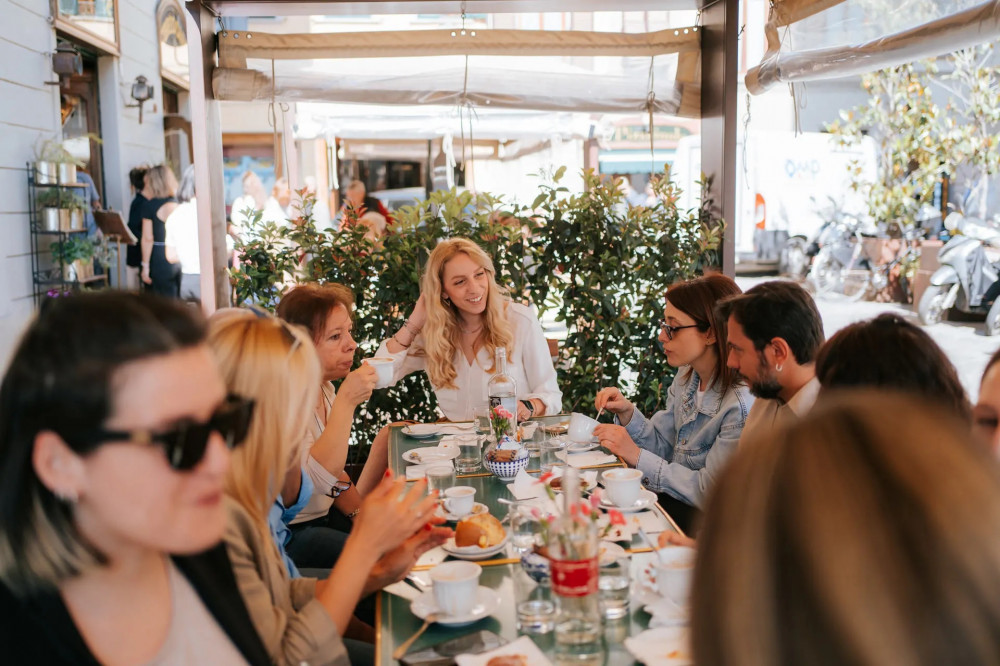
(967, 278)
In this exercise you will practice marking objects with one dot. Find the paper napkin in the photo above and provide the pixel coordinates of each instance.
(663, 646)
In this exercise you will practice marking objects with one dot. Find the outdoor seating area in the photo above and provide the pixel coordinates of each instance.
(474, 333)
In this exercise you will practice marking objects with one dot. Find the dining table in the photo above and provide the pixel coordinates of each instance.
(395, 622)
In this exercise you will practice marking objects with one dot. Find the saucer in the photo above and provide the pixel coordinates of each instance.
(580, 447)
(472, 553)
(452, 518)
(608, 552)
(647, 498)
(431, 454)
(422, 430)
(487, 601)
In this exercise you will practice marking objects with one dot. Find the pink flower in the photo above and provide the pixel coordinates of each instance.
(595, 500)
(617, 518)
(502, 412)
(536, 512)
(545, 477)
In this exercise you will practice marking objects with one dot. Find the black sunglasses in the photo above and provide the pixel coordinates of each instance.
(185, 444)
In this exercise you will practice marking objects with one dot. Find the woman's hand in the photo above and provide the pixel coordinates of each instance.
(358, 385)
(390, 514)
(145, 275)
(612, 400)
(418, 317)
(616, 439)
(394, 565)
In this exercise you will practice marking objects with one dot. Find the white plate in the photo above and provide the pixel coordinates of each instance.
(422, 430)
(487, 601)
(608, 552)
(647, 498)
(472, 552)
(591, 484)
(451, 517)
(670, 646)
(431, 454)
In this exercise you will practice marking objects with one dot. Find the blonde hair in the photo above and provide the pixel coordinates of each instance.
(852, 538)
(276, 365)
(441, 333)
(161, 182)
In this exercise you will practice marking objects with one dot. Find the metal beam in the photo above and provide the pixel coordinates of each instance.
(719, 71)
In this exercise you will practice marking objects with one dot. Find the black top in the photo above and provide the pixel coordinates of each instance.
(40, 630)
(159, 267)
(133, 253)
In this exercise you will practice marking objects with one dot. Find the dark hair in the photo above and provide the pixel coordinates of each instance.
(859, 356)
(993, 361)
(310, 305)
(137, 176)
(61, 379)
(185, 190)
(778, 309)
(697, 299)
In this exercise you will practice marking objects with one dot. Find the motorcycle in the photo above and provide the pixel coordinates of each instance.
(968, 278)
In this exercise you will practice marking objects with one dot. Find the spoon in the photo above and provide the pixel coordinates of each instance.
(401, 650)
(649, 542)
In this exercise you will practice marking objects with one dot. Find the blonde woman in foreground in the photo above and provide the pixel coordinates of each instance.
(852, 538)
(461, 318)
(300, 619)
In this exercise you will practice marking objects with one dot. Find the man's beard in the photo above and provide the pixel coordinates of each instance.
(766, 385)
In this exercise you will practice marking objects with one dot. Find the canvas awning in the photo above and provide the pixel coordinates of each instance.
(821, 39)
(577, 71)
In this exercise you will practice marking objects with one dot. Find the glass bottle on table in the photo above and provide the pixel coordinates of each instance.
(502, 390)
(573, 554)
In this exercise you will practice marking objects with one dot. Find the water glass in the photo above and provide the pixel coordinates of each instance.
(537, 441)
(613, 588)
(525, 528)
(481, 416)
(547, 456)
(440, 478)
(536, 609)
(470, 453)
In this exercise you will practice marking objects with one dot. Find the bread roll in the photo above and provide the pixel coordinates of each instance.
(481, 530)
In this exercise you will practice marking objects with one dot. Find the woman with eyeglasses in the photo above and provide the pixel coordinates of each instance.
(115, 430)
(682, 448)
(301, 619)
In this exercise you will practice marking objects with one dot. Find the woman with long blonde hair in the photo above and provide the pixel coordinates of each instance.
(461, 318)
(299, 619)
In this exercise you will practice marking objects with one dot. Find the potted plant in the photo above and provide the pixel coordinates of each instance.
(75, 255)
(46, 162)
(54, 207)
(77, 209)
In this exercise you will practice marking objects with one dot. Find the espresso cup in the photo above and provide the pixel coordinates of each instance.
(458, 501)
(581, 428)
(674, 570)
(622, 486)
(383, 369)
(455, 586)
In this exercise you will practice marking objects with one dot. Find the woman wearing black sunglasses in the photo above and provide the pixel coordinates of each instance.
(114, 436)
(682, 448)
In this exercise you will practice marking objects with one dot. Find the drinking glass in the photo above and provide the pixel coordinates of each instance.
(524, 528)
(547, 458)
(613, 588)
(537, 441)
(481, 415)
(470, 453)
(536, 610)
(440, 478)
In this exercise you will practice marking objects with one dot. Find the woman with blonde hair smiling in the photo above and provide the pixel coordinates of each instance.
(299, 619)
(461, 318)
(864, 534)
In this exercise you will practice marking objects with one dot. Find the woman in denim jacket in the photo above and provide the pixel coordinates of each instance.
(682, 448)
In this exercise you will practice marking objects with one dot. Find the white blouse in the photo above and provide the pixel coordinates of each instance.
(529, 363)
(320, 502)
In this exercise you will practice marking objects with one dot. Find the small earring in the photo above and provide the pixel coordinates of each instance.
(67, 496)
(777, 368)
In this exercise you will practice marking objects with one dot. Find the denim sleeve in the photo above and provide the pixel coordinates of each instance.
(658, 434)
(692, 485)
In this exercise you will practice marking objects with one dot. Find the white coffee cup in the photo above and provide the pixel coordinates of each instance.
(581, 428)
(383, 368)
(622, 486)
(455, 586)
(459, 500)
(674, 570)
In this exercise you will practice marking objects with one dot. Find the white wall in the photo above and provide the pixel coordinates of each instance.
(29, 112)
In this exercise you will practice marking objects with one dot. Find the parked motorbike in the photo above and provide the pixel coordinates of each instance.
(967, 278)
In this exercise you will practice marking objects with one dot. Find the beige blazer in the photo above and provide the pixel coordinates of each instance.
(293, 625)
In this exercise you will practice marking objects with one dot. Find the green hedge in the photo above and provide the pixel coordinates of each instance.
(600, 266)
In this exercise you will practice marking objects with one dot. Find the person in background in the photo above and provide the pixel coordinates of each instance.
(133, 253)
(774, 332)
(253, 198)
(92, 199)
(276, 208)
(302, 619)
(321, 209)
(857, 357)
(182, 237)
(357, 203)
(986, 413)
(375, 226)
(114, 446)
(682, 449)
(160, 276)
(865, 534)
(467, 318)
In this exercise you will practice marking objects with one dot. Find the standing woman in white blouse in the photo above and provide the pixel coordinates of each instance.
(461, 318)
